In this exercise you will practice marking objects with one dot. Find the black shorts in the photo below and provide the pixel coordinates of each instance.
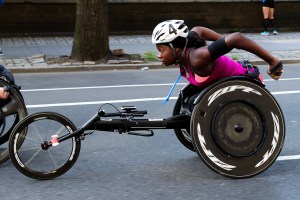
(268, 3)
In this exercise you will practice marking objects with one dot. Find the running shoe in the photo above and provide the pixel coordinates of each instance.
(265, 33)
(275, 32)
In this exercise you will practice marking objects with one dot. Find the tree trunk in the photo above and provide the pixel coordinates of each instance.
(91, 39)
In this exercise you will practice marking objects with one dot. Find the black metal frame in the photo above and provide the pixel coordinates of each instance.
(128, 124)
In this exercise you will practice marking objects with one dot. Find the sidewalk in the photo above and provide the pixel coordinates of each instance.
(27, 54)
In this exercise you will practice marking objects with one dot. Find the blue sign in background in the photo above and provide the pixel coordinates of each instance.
(1, 2)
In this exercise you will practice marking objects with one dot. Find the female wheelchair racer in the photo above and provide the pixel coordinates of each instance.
(204, 65)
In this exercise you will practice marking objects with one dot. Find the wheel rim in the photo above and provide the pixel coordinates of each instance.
(217, 148)
(238, 129)
(31, 158)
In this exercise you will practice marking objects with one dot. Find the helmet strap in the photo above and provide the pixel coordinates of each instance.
(173, 52)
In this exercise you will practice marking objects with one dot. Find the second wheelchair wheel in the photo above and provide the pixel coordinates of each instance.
(182, 134)
(34, 157)
(238, 128)
(13, 110)
(181, 107)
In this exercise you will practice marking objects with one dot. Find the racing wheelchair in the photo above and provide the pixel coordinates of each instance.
(12, 110)
(236, 127)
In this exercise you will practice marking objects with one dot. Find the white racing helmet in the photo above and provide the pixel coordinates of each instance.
(169, 30)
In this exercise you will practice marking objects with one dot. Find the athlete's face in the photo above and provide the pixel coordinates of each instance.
(165, 54)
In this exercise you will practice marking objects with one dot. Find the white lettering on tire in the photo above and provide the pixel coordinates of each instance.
(269, 153)
(15, 150)
(209, 154)
(232, 88)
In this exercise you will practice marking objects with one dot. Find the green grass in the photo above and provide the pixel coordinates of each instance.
(150, 56)
(235, 57)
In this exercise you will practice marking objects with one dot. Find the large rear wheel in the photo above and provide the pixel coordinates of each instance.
(237, 128)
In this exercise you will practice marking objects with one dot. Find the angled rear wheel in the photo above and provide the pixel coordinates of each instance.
(181, 107)
(12, 110)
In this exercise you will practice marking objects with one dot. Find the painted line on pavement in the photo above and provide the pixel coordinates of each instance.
(100, 87)
(128, 86)
(97, 102)
(292, 157)
(129, 100)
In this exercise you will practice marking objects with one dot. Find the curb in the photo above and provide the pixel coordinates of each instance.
(79, 68)
(111, 67)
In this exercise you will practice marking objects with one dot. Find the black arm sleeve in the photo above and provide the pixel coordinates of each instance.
(218, 48)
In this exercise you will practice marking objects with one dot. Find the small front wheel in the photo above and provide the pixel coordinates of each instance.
(32, 157)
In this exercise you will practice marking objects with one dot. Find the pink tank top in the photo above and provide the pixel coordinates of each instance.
(224, 67)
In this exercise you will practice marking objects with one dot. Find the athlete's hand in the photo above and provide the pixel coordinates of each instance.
(3, 94)
(276, 71)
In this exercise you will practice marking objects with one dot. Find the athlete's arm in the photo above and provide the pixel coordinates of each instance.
(239, 41)
(206, 33)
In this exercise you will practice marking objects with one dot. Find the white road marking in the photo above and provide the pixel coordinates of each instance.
(293, 157)
(128, 100)
(96, 102)
(100, 87)
(128, 86)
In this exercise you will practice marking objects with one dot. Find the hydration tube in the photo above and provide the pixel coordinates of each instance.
(172, 89)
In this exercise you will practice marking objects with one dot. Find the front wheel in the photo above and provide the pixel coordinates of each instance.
(31, 157)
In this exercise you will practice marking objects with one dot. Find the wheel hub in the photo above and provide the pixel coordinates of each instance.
(237, 129)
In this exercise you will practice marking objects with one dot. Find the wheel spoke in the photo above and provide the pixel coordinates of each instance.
(60, 130)
(52, 158)
(38, 132)
(28, 149)
(32, 157)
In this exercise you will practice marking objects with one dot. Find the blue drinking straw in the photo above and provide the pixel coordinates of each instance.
(173, 87)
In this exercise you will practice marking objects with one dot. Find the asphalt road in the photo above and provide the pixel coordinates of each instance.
(113, 166)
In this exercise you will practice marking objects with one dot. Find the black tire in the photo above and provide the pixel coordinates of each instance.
(8, 121)
(39, 163)
(183, 135)
(237, 128)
